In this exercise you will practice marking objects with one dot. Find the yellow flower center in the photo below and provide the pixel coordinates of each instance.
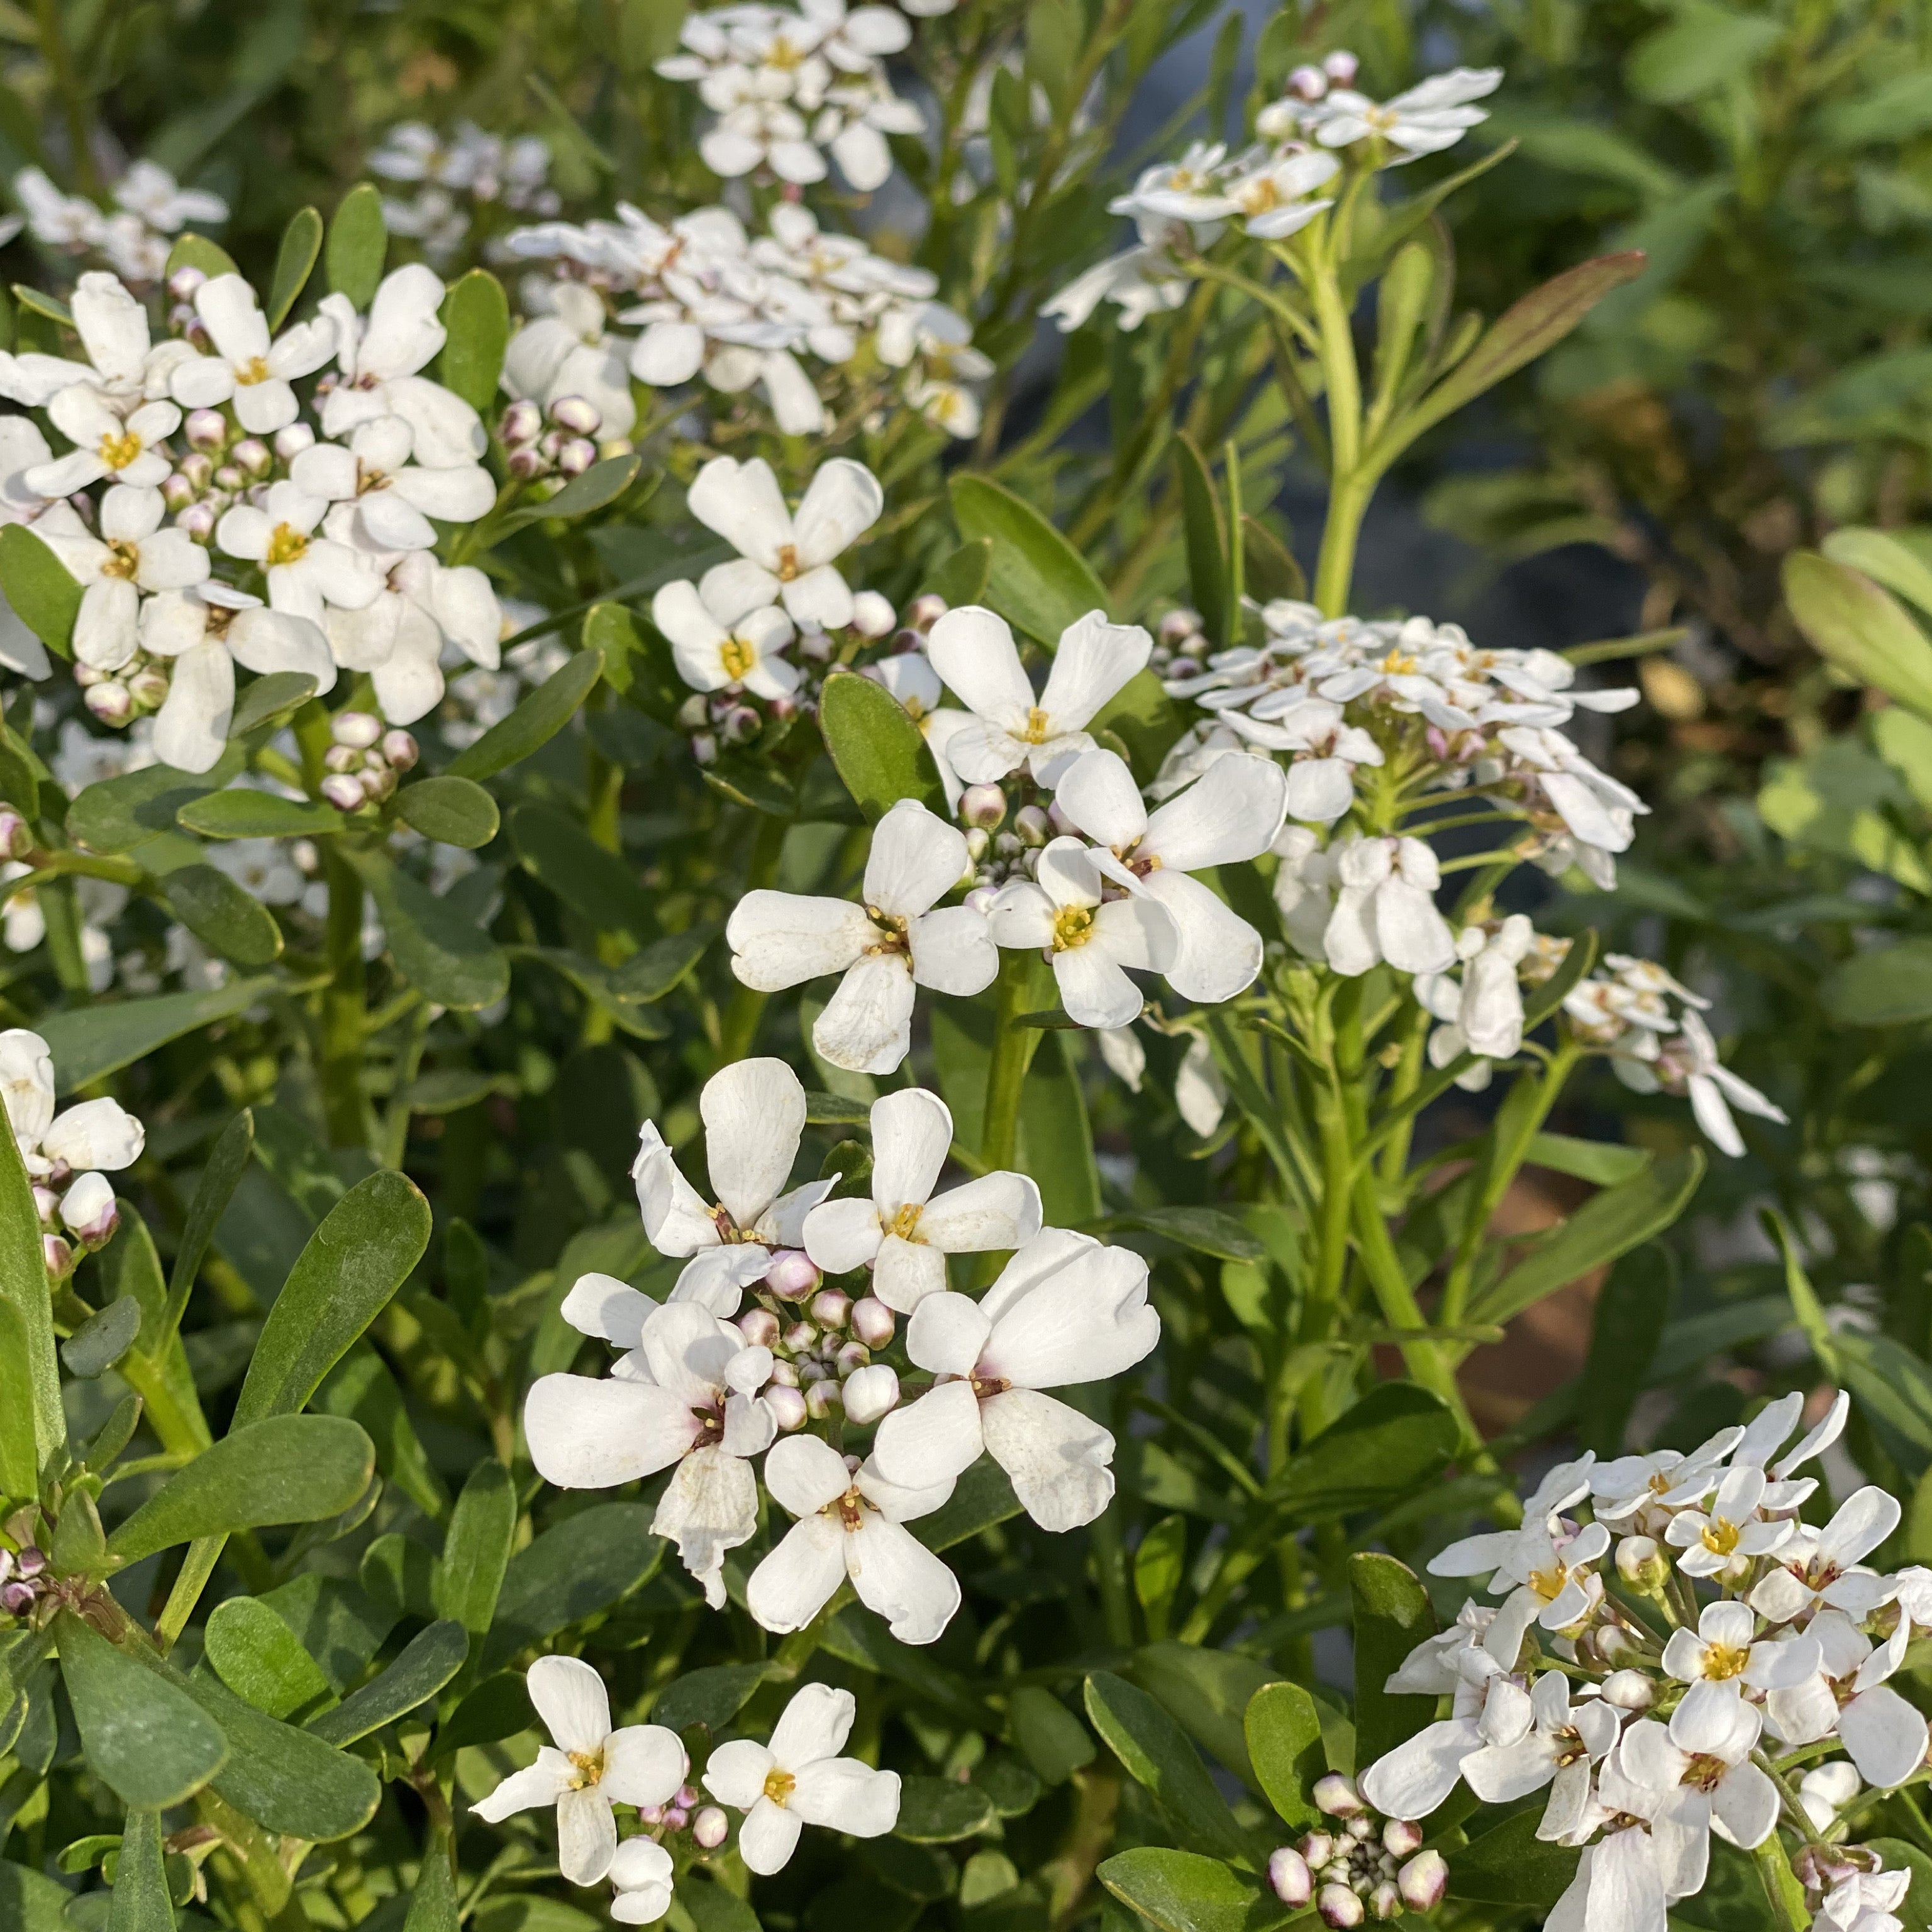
(736, 658)
(1548, 1584)
(286, 544)
(788, 563)
(888, 934)
(255, 370)
(118, 451)
(586, 1769)
(779, 1785)
(1039, 727)
(1073, 925)
(1396, 663)
(783, 55)
(905, 1222)
(1722, 1661)
(123, 560)
(1719, 1536)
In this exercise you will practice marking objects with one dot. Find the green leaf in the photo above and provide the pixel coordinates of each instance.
(360, 1387)
(448, 957)
(596, 883)
(575, 1570)
(879, 752)
(1157, 1753)
(44, 593)
(245, 813)
(1704, 49)
(453, 812)
(88, 1042)
(261, 1659)
(1606, 1226)
(1181, 1891)
(433, 1902)
(662, 965)
(20, 1454)
(1894, 111)
(1270, 567)
(1037, 579)
(1284, 1733)
(271, 699)
(295, 263)
(225, 917)
(1854, 624)
(1888, 986)
(143, 1735)
(1047, 1734)
(476, 312)
(28, 1336)
(981, 1499)
(940, 1811)
(1392, 1440)
(103, 1339)
(711, 1697)
(535, 721)
(1207, 1693)
(226, 1161)
(353, 1263)
(1393, 1615)
(1511, 1865)
(1602, 1163)
(1633, 1312)
(29, 1903)
(476, 1549)
(1144, 719)
(1056, 1138)
(283, 1468)
(962, 577)
(357, 243)
(1886, 560)
(117, 814)
(196, 251)
(499, 1707)
(141, 1900)
(1209, 1230)
(1204, 529)
(601, 484)
(428, 1661)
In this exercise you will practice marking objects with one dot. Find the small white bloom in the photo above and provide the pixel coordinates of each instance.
(305, 572)
(384, 500)
(567, 351)
(1827, 1566)
(378, 359)
(1721, 1540)
(1424, 121)
(248, 368)
(719, 645)
(787, 557)
(1386, 909)
(1722, 1655)
(133, 554)
(125, 449)
(642, 1872)
(1562, 1744)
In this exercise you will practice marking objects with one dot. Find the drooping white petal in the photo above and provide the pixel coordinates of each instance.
(1059, 1460)
(866, 1026)
(797, 1580)
(898, 1577)
(709, 1507)
(779, 939)
(754, 1114)
(586, 1835)
(1217, 954)
(934, 1440)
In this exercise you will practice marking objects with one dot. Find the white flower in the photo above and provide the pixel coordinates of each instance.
(1721, 1541)
(1826, 1791)
(248, 369)
(1562, 1742)
(421, 607)
(262, 867)
(1232, 813)
(1722, 1656)
(1711, 1085)
(902, 1233)
(133, 553)
(687, 1394)
(973, 650)
(1064, 1310)
(1200, 1092)
(800, 1779)
(1654, 1851)
(1706, 1755)
(121, 366)
(1271, 197)
(642, 1871)
(568, 351)
(590, 1767)
(1598, 810)
(1140, 280)
(787, 557)
(1089, 941)
(125, 449)
(1386, 909)
(753, 1116)
(1321, 777)
(1491, 1707)
(304, 572)
(1305, 884)
(851, 1527)
(378, 359)
(147, 190)
(717, 644)
(384, 501)
(883, 947)
(1424, 120)
(853, 125)
(1826, 1566)
(1483, 1015)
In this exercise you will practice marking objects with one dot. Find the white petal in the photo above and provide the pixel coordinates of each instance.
(841, 1235)
(843, 1794)
(643, 1764)
(916, 859)
(1059, 1460)
(754, 1114)
(586, 1836)
(912, 1136)
(770, 1834)
(537, 1786)
(1884, 1734)
(797, 1579)
(602, 1306)
(743, 503)
(934, 1440)
(778, 939)
(843, 502)
(710, 1506)
(1412, 1779)
(587, 1435)
(804, 1474)
(814, 1725)
(1221, 818)
(1095, 658)
(735, 1773)
(1218, 953)
(896, 1576)
(192, 726)
(1098, 793)
(866, 1026)
(953, 951)
(1094, 989)
(906, 1273)
(996, 1211)
(974, 651)
(570, 1698)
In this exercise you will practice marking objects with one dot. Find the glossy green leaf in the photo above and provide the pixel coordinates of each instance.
(197, 251)
(1207, 1692)
(1182, 1892)
(227, 919)
(360, 1387)
(116, 814)
(428, 1661)
(1886, 985)
(1392, 1441)
(283, 1468)
(1158, 1753)
(246, 813)
(981, 1497)
(1393, 1615)
(499, 1707)
(747, 780)
(261, 1659)
(535, 721)
(143, 1735)
(448, 957)
(1511, 1865)
(603, 483)
(343, 1278)
(662, 965)
(141, 1900)
(476, 312)
(1051, 1739)
(295, 263)
(1284, 1734)
(962, 577)
(1857, 626)
(1209, 1230)
(939, 1811)
(89, 1041)
(433, 1901)
(453, 812)
(20, 1454)
(1205, 533)
(29, 1336)
(103, 1339)
(270, 699)
(1036, 579)
(712, 1696)
(226, 1161)
(576, 1569)
(29, 1903)
(476, 1548)
(357, 243)
(44, 593)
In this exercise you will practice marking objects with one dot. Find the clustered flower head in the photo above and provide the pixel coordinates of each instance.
(458, 179)
(1675, 1647)
(134, 238)
(1358, 1866)
(707, 1385)
(242, 522)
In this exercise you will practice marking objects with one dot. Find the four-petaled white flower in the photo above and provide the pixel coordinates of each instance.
(589, 1768)
(1722, 1540)
(248, 368)
(1428, 118)
(1064, 1310)
(1827, 1566)
(305, 572)
(800, 1779)
(121, 365)
(974, 651)
(902, 1233)
(1847, 1692)
(133, 553)
(898, 937)
(719, 642)
(126, 449)
(378, 360)
(1386, 909)
(1722, 1655)
(642, 1871)
(1558, 1744)
(384, 500)
(850, 1526)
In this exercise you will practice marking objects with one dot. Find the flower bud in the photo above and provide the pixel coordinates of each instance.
(741, 724)
(1318, 1848)
(521, 423)
(46, 1204)
(17, 1599)
(183, 283)
(872, 615)
(177, 492)
(110, 701)
(253, 455)
(1339, 1907)
(89, 1210)
(576, 456)
(358, 730)
(377, 782)
(527, 461)
(58, 1257)
(787, 1405)
(703, 748)
(650, 1814)
(1361, 1828)
(1423, 1881)
(977, 844)
(871, 1321)
(870, 1393)
(231, 477)
(983, 806)
(198, 520)
(1642, 1564)
(1063, 826)
(30, 1562)
(1032, 825)
(923, 612)
(852, 1357)
(290, 442)
(1629, 1690)
(710, 1828)
(1337, 1796)
(400, 750)
(206, 429)
(1287, 1872)
(16, 836)
(1308, 83)
(675, 1818)
(342, 758)
(1341, 67)
(821, 1398)
(577, 414)
(343, 790)
(759, 1326)
(1401, 1836)
(1385, 1901)
(831, 1309)
(1177, 625)
(148, 686)
(792, 1277)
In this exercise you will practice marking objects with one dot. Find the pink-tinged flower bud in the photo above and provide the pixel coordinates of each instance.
(183, 283)
(342, 758)
(800, 1337)
(16, 835)
(1287, 1872)
(984, 806)
(198, 520)
(576, 456)
(852, 1357)
(400, 750)
(710, 1828)
(17, 1599)
(1178, 624)
(1361, 1828)
(578, 415)
(526, 462)
(1401, 1836)
(253, 455)
(1341, 67)
(30, 1562)
(521, 423)
(1318, 1848)
(703, 748)
(358, 730)
(1339, 1907)
(650, 1814)
(46, 1205)
(110, 701)
(787, 1405)
(1337, 1796)
(781, 710)
(872, 615)
(821, 1398)
(1031, 826)
(1063, 826)
(741, 724)
(206, 430)
(177, 492)
(58, 1256)
(343, 789)
(148, 686)
(831, 1309)
(1629, 1690)
(792, 1277)
(231, 477)
(978, 843)
(1384, 1900)
(90, 1212)
(197, 467)
(377, 782)
(290, 442)
(759, 1326)
(675, 1818)
(1423, 1881)
(923, 612)
(1308, 83)
(871, 1321)
(870, 1392)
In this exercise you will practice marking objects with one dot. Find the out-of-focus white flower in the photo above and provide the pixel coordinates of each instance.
(1424, 121)
(1385, 909)
(568, 351)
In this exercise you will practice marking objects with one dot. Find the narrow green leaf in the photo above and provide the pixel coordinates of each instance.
(596, 883)
(19, 1453)
(1037, 579)
(261, 1659)
(270, 699)
(1850, 620)
(246, 813)
(879, 752)
(453, 812)
(295, 263)
(1394, 1440)
(1159, 1754)
(219, 1178)
(1887, 985)
(88, 1042)
(1272, 570)
(603, 483)
(227, 918)
(577, 1569)
(44, 593)
(1284, 1734)
(143, 1735)
(37, 302)
(1204, 529)
(433, 1903)
(1393, 1615)
(1511, 1865)
(712, 1696)
(428, 1661)
(357, 242)
(662, 965)
(476, 312)
(197, 251)
(1051, 1739)
(1633, 1312)
(535, 721)
(476, 1549)
(1182, 1892)
(34, 1368)
(448, 957)
(141, 1900)
(1207, 1230)
(962, 577)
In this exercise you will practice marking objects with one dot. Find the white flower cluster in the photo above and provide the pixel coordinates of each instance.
(151, 209)
(65, 1157)
(796, 1779)
(289, 535)
(1653, 1717)
(712, 301)
(703, 1390)
(456, 177)
(789, 88)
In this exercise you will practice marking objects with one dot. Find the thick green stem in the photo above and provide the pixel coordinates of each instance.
(343, 1001)
(1781, 1886)
(1013, 1049)
(1335, 569)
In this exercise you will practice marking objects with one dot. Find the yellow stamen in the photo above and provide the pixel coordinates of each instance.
(779, 1785)
(736, 658)
(1548, 1584)
(587, 1769)
(118, 451)
(1073, 925)
(787, 563)
(123, 560)
(286, 544)
(1725, 1660)
(255, 370)
(1039, 727)
(1719, 1536)
(905, 1222)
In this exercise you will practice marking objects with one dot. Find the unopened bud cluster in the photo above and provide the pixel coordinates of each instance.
(1180, 644)
(1364, 1866)
(821, 1347)
(136, 689)
(364, 760)
(553, 444)
(23, 1579)
(78, 1216)
(677, 1815)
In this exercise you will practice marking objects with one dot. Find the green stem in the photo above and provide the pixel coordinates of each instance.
(343, 1000)
(203, 1554)
(1013, 1049)
(1781, 1886)
(1335, 569)
(52, 36)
